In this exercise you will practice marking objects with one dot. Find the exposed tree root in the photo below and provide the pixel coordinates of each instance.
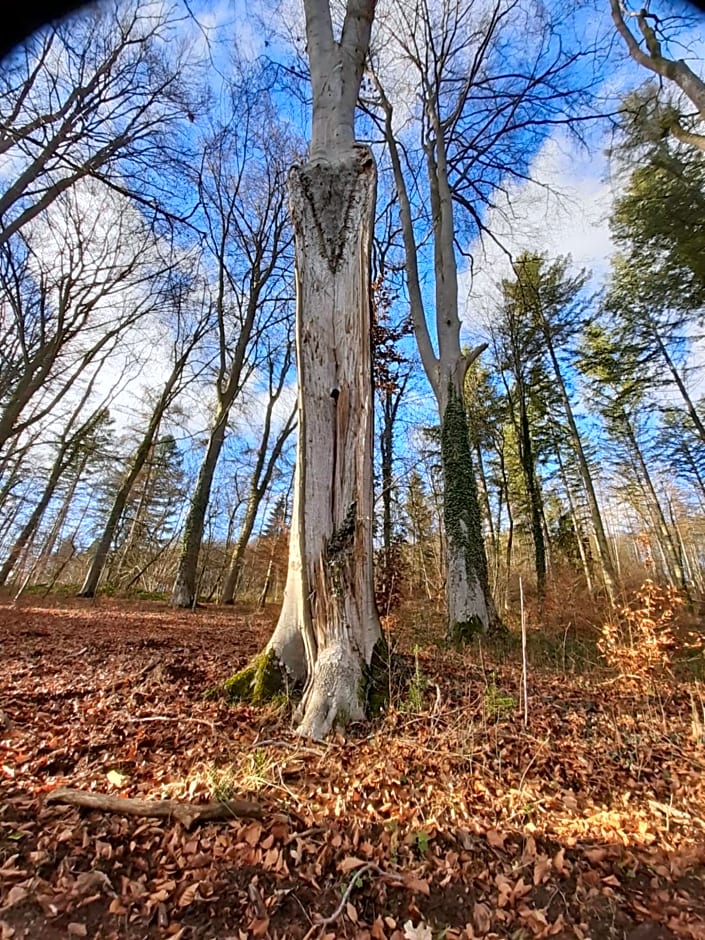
(186, 813)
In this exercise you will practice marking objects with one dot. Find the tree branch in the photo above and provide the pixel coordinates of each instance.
(186, 813)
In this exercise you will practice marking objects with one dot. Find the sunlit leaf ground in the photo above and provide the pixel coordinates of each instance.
(447, 817)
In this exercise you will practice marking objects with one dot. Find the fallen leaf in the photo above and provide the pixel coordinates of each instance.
(542, 868)
(412, 883)
(15, 895)
(559, 861)
(481, 918)
(495, 838)
(116, 778)
(350, 862)
(420, 932)
(189, 895)
(259, 927)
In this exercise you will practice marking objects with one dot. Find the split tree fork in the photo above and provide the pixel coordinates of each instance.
(328, 629)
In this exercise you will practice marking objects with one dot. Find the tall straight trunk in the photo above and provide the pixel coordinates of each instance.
(584, 560)
(469, 601)
(467, 581)
(386, 446)
(60, 519)
(229, 384)
(10, 472)
(95, 570)
(681, 386)
(603, 550)
(533, 492)
(387, 572)
(485, 493)
(137, 520)
(29, 529)
(329, 626)
(510, 530)
(259, 484)
(695, 470)
(669, 548)
(184, 590)
(66, 453)
(231, 583)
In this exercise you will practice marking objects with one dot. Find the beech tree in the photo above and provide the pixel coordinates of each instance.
(270, 449)
(189, 328)
(329, 629)
(68, 447)
(477, 97)
(70, 288)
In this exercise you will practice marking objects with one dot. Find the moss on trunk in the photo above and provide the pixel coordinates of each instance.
(462, 632)
(259, 682)
(376, 679)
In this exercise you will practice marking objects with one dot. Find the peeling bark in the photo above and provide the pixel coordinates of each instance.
(329, 625)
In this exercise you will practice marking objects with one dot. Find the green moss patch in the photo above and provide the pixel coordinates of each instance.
(260, 681)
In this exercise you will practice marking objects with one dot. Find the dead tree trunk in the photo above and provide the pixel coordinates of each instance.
(329, 626)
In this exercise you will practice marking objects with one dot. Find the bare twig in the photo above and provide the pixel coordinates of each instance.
(524, 665)
(357, 873)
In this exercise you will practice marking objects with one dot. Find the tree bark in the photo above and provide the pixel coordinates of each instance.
(675, 70)
(26, 535)
(533, 490)
(669, 549)
(261, 478)
(574, 515)
(184, 590)
(470, 609)
(186, 813)
(329, 625)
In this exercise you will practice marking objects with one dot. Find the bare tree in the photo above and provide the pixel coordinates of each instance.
(70, 287)
(269, 452)
(97, 97)
(472, 109)
(189, 329)
(242, 195)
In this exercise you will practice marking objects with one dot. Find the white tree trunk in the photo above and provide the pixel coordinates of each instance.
(329, 624)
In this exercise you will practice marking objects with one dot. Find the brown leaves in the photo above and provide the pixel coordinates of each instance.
(454, 816)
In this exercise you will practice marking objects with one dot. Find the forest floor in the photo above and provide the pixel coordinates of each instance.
(447, 817)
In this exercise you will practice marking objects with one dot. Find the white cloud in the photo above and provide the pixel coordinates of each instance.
(565, 211)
